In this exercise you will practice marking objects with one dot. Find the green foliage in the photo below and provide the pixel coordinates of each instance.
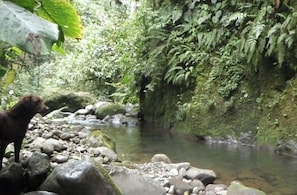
(229, 37)
(33, 34)
(60, 12)
(21, 28)
(269, 33)
(103, 62)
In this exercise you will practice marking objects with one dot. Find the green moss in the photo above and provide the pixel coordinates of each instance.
(109, 109)
(107, 178)
(278, 122)
(71, 100)
(103, 139)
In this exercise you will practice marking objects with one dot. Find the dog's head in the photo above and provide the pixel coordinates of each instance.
(34, 103)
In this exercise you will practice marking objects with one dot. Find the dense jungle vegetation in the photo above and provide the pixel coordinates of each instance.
(212, 67)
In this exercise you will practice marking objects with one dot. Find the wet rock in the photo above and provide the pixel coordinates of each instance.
(182, 172)
(60, 158)
(103, 109)
(197, 184)
(97, 139)
(247, 138)
(236, 188)
(51, 145)
(180, 187)
(206, 176)
(287, 148)
(216, 189)
(79, 177)
(11, 179)
(37, 143)
(38, 167)
(82, 112)
(131, 182)
(66, 136)
(107, 152)
(160, 158)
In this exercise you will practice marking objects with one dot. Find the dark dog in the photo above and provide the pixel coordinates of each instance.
(14, 123)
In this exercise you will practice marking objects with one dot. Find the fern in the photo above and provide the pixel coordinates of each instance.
(237, 18)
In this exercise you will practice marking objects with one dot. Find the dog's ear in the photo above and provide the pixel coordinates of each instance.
(31, 98)
(35, 99)
(27, 98)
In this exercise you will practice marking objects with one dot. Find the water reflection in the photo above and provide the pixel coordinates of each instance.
(267, 171)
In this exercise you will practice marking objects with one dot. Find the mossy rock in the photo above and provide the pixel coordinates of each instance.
(238, 188)
(109, 109)
(107, 177)
(97, 138)
(71, 100)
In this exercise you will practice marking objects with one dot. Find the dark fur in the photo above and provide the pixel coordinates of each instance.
(14, 123)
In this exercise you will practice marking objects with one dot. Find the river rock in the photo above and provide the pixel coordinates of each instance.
(216, 189)
(160, 158)
(206, 176)
(37, 143)
(287, 148)
(180, 187)
(97, 138)
(79, 177)
(131, 182)
(107, 152)
(236, 188)
(82, 112)
(11, 179)
(104, 108)
(38, 167)
(60, 158)
(197, 185)
(51, 145)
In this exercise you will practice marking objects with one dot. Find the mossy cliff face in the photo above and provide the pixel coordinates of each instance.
(158, 107)
(263, 103)
(278, 119)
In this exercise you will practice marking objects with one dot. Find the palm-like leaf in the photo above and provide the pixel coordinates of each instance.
(29, 32)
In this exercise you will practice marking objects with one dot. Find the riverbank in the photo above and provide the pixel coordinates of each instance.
(62, 143)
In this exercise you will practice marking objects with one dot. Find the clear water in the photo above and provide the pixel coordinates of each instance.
(269, 172)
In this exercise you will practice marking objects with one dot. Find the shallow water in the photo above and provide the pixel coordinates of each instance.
(269, 172)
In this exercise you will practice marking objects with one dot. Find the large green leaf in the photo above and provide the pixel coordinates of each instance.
(29, 32)
(62, 13)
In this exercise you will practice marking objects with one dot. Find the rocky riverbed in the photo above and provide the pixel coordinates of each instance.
(63, 156)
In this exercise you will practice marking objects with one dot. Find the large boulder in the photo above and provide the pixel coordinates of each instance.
(205, 175)
(160, 158)
(38, 167)
(131, 182)
(11, 179)
(80, 177)
(105, 108)
(72, 101)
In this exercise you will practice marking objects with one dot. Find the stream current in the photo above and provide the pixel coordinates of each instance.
(261, 169)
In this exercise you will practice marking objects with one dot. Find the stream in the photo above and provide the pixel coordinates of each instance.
(264, 170)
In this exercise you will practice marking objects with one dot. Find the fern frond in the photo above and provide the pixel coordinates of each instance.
(237, 17)
(257, 30)
(275, 29)
(250, 45)
(281, 49)
(271, 45)
(290, 39)
(281, 38)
